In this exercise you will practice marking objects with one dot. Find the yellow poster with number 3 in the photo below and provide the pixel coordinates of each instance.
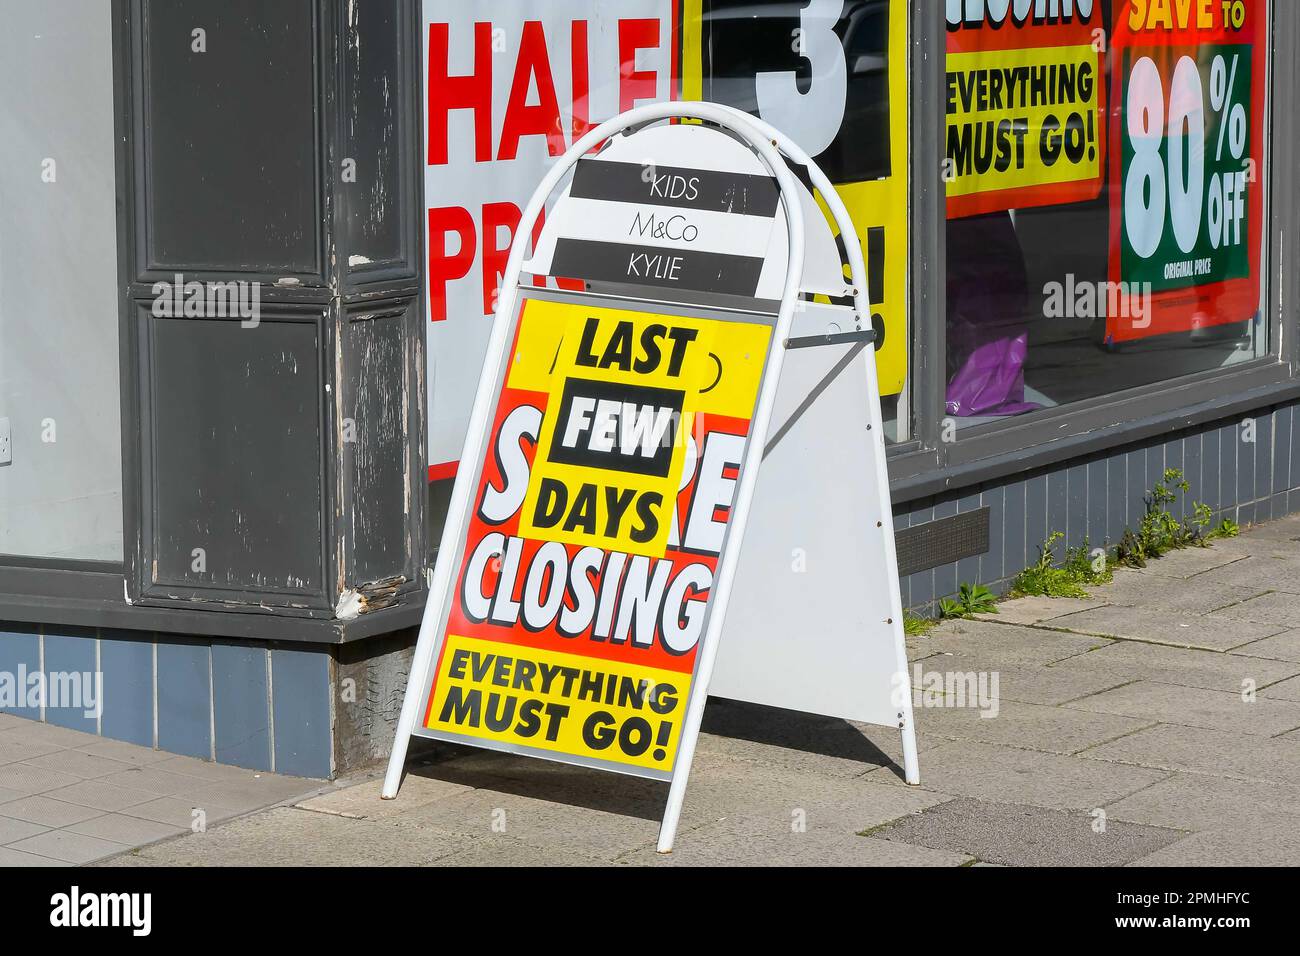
(852, 118)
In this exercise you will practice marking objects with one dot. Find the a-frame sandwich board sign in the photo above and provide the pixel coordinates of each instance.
(597, 522)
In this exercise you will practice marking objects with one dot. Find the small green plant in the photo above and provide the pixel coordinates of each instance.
(1227, 528)
(1088, 567)
(1080, 569)
(971, 599)
(914, 626)
(1159, 532)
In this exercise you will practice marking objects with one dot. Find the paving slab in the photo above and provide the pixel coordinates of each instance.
(15, 858)
(28, 779)
(151, 778)
(1180, 595)
(1288, 689)
(1262, 846)
(98, 795)
(601, 835)
(1190, 562)
(504, 852)
(1033, 726)
(70, 797)
(285, 836)
(1270, 571)
(1198, 802)
(1048, 684)
(363, 802)
(84, 765)
(1036, 610)
(1021, 835)
(735, 843)
(549, 780)
(180, 813)
(1194, 707)
(69, 847)
(1123, 662)
(1280, 647)
(12, 830)
(122, 751)
(1283, 530)
(1013, 775)
(47, 811)
(1164, 627)
(193, 767)
(130, 831)
(1213, 752)
(774, 798)
(1271, 607)
(1248, 543)
(15, 748)
(52, 734)
(258, 790)
(999, 644)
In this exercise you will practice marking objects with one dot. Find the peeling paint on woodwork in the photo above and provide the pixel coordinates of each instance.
(368, 597)
(349, 606)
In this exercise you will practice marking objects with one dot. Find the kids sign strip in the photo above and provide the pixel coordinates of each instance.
(696, 229)
(570, 504)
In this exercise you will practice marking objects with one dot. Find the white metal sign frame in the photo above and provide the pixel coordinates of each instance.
(772, 148)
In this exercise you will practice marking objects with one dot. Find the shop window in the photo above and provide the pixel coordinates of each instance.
(60, 431)
(1105, 175)
(508, 90)
(833, 76)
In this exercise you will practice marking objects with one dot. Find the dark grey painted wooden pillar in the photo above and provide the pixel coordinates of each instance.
(273, 340)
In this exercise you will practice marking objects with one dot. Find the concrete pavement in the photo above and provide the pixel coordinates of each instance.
(1157, 722)
(70, 798)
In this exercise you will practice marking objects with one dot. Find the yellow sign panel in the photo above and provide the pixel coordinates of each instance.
(625, 387)
(601, 509)
(1003, 136)
(564, 703)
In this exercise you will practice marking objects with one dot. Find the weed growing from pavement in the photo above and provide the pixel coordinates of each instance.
(1080, 570)
(971, 599)
(914, 626)
(1158, 533)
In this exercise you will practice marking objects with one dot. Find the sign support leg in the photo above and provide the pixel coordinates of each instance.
(911, 765)
(411, 703)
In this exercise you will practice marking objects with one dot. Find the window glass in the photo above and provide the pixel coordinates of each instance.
(832, 75)
(1105, 170)
(510, 85)
(61, 490)
(508, 89)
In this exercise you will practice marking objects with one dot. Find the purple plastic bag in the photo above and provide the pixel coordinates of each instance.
(988, 339)
(990, 375)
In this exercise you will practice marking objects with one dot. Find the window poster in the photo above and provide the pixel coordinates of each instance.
(1187, 189)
